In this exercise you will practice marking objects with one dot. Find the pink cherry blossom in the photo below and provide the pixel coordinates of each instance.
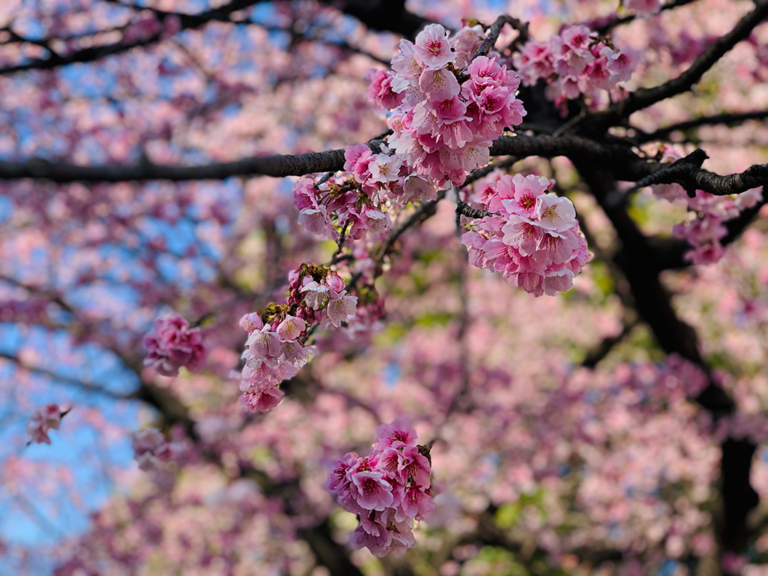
(173, 344)
(43, 419)
(433, 48)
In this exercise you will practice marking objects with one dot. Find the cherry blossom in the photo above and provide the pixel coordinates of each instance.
(534, 242)
(43, 419)
(172, 344)
(388, 489)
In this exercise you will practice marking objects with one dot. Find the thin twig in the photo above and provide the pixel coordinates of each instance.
(495, 30)
(619, 20)
(727, 119)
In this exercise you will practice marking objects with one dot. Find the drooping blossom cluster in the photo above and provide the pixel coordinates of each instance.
(532, 237)
(43, 419)
(387, 490)
(574, 62)
(152, 451)
(272, 354)
(704, 226)
(173, 344)
(275, 350)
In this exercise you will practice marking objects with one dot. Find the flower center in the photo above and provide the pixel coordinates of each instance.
(433, 47)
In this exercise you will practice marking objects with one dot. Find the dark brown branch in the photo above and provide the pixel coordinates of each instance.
(425, 211)
(607, 344)
(475, 175)
(628, 165)
(327, 552)
(692, 177)
(186, 22)
(624, 164)
(467, 210)
(726, 119)
(495, 30)
(385, 16)
(389, 16)
(277, 166)
(646, 97)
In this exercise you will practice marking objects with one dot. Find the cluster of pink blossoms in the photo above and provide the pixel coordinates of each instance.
(152, 451)
(704, 226)
(172, 344)
(272, 354)
(574, 62)
(445, 119)
(320, 296)
(43, 419)
(355, 204)
(387, 490)
(532, 238)
(274, 350)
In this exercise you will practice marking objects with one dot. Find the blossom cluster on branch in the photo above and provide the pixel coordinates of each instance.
(532, 237)
(387, 490)
(275, 348)
(446, 118)
(575, 62)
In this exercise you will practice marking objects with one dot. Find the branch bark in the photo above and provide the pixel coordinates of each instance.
(186, 21)
(627, 164)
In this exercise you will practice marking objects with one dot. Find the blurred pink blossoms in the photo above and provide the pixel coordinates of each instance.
(152, 451)
(274, 350)
(643, 7)
(532, 238)
(387, 490)
(43, 419)
(574, 62)
(172, 344)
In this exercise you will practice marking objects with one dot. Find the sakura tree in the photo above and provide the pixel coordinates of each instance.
(454, 288)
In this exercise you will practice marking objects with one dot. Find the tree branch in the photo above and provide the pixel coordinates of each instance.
(495, 30)
(648, 96)
(727, 119)
(692, 177)
(619, 20)
(629, 166)
(277, 166)
(186, 22)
